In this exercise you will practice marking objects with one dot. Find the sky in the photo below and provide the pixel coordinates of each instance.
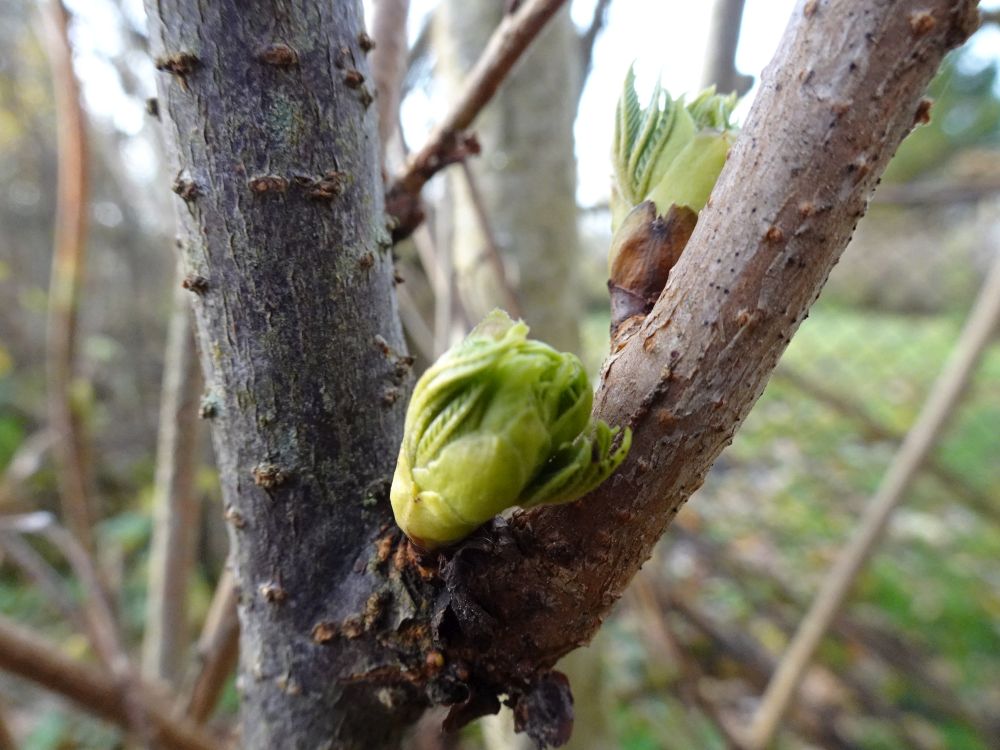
(663, 37)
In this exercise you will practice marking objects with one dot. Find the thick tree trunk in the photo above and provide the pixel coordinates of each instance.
(267, 117)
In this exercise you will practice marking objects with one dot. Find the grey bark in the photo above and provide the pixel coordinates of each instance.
(268, 124)
(527, 174)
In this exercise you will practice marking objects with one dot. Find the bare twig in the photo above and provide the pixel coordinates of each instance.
(493, 254)
(218, 649)
(176, 508)
(589, 38)
(940, 405)
(447, 144)
(67, 277)
(25, 654)
(389, 63)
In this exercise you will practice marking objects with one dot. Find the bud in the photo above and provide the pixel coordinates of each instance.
(499, 420)
(669, 152)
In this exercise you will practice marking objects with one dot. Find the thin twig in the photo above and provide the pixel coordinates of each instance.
(218, 649)
(493, 254)
(40, 661)
(176, 507)
(589, 38)
(447, 144)
(940, 405)
(990, 17)
(65, 287)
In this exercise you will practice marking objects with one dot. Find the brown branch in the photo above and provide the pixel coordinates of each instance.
(25, 654)
(795, 184)
(493, 254)
(100, 624)
(65, 287)
(941, 404)
(176, 506)
(218, 649)
(448, 144)
(389, 61)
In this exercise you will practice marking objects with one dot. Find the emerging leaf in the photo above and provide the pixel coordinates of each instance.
(669, 152)
(499, 420)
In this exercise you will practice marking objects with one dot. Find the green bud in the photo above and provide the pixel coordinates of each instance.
(669, 152)
(499, 420)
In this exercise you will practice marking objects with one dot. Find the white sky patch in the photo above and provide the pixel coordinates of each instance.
(662, 38)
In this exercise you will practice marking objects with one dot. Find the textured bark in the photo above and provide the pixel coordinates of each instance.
(527, 175)
(266, 108)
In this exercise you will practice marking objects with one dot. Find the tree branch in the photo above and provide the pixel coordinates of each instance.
(176, 506)
(25, 654)
(218, 649)
(269, 125)
(447, 143)
(493, 255)
(797, 181)
(66, 284)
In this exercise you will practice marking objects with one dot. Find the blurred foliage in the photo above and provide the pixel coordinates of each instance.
(965, 113)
